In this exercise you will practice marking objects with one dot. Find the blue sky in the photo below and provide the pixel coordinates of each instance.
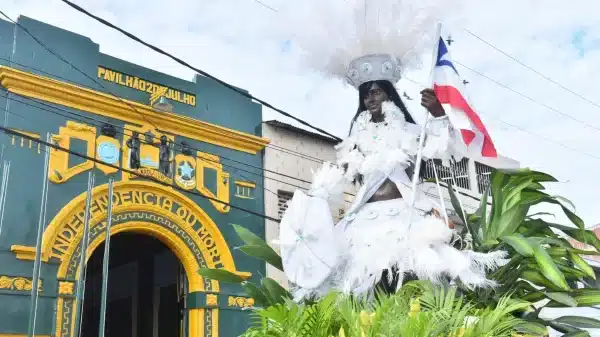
(231, 39)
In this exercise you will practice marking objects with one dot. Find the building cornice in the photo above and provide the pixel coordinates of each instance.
(99, 103)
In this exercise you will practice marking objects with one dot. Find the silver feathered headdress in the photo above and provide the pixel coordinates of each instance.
(361, 40)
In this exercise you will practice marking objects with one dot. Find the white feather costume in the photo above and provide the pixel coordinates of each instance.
(361, 41)
(350, 256)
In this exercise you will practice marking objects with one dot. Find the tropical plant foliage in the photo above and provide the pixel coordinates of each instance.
(544, 270)
(419, 309)
(544, 266)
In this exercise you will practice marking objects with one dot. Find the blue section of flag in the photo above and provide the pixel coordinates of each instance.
(442, 51)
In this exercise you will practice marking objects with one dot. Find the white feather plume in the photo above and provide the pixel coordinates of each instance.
(328, 182)
(332, 33)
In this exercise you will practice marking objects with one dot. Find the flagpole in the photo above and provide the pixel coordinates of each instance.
(79, 296)
(3, 189)
(415, 179)
(105, 262)
(38, 246)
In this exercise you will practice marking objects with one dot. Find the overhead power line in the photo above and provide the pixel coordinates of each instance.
(547, 78)
(204, 73)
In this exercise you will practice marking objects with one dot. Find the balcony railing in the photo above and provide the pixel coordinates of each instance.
(463, 173)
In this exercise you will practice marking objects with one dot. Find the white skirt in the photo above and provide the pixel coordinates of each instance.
(379, 237)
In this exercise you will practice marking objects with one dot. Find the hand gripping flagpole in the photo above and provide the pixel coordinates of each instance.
(415, 179)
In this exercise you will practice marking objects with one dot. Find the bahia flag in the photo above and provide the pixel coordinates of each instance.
(450, 91)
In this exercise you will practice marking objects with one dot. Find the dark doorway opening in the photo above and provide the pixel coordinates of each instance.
(145, 289)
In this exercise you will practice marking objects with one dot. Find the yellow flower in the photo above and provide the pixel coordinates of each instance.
(365, 318)
(415, 307)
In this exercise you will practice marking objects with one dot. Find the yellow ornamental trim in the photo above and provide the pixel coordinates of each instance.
(96, 102)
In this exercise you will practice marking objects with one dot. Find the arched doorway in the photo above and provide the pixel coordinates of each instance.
(145, 289)
(143, 208)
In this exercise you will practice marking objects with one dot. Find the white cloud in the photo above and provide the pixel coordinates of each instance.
(223, 37)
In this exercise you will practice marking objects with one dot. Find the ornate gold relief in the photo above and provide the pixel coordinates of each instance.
(17, 283)
(59, 170)
(65, 288)
(211, 300)
(240, 302)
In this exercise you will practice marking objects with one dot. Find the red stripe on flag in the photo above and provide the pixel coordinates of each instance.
(450, 95)
(468, 136)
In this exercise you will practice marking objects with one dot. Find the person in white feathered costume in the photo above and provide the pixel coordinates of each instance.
(380, 241)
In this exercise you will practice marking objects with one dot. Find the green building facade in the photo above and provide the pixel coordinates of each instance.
(169, 214)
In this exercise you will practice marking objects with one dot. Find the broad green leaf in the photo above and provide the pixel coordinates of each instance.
(533, 197)
(574, 218)
(536, 175)
(275, 291)
(520, 244)
(579, 322)
(511, 220)
(220, 275)
(248, 237)
(582, 265)
(587, 237)
(513, 192)
(253, 291)
(548, 268)
(484, 216)
(546, 241)
(563, 328)
(530, 216)
(577, 334)
(587, 297)
(537, 278)
(534, 297)
(497, 181)
(564, 200)
(532, 328)
(562, 298)
(266, 254)
(557, 252)
(537, 186)
(456, 205)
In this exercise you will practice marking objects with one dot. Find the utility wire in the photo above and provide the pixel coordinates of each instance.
(86, 157)
(531, 69)
(178, 60)
(528, 97)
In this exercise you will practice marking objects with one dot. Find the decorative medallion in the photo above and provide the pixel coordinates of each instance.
(108, 152)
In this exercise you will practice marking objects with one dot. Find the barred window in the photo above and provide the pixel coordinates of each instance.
(282, 202)
(461, 172)
(483, 177)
